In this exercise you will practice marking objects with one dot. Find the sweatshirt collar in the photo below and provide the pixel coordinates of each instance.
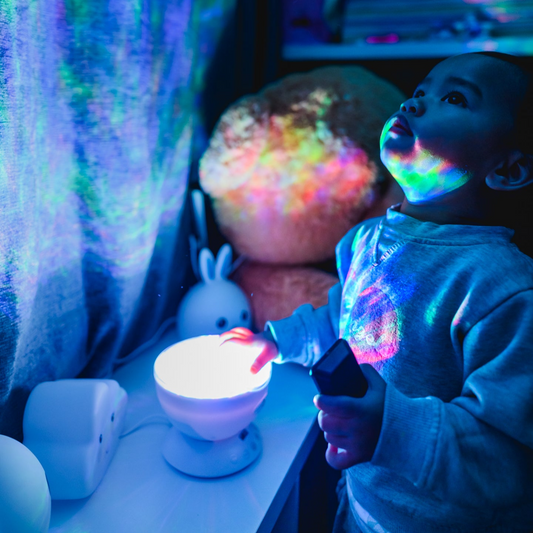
(429, 231)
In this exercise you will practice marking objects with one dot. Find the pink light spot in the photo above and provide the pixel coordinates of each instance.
(373, 332)
(389, 38)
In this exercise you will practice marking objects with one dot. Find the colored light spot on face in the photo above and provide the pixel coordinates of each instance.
(421, 174)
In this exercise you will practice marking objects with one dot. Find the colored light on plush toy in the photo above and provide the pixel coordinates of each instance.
(298, 164)
(292, 168)
(202, 368)
(421, 174)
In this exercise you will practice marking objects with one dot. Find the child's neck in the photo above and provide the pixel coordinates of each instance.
(448, 213)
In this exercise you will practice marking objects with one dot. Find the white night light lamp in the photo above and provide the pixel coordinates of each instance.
(211, 398)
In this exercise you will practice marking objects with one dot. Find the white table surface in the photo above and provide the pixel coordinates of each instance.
(142, 493)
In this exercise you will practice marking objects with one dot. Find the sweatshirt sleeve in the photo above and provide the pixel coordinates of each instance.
(306, 335)
(478, 448)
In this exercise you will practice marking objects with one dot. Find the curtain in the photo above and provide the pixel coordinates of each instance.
(99, 101)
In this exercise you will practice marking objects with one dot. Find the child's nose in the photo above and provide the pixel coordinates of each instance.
(412, 105)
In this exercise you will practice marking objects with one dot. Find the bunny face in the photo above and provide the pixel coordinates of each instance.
(212, 308)
(215, 304)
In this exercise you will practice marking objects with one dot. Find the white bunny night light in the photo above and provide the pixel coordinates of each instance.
(215, 304)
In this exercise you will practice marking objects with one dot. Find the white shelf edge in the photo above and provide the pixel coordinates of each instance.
(407, 50)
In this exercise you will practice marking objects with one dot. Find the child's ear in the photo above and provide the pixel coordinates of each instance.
(515, 172)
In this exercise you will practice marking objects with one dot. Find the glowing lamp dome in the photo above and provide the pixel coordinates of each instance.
(207, 390)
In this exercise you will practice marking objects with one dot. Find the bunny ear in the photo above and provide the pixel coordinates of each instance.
(198, 206)
(193, 245)
(207, 265)
(223, 266)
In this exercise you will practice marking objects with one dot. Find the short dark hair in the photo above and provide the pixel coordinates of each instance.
(524, 118)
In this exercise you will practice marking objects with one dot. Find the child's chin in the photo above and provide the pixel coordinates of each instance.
(396, 157)
(394, 160)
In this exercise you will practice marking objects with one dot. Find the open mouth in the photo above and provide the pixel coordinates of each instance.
(401, 126)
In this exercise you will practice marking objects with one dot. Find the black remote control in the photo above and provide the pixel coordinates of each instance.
(337, 373)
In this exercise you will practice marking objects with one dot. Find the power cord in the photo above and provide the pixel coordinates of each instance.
(133, 355)
(152, 419)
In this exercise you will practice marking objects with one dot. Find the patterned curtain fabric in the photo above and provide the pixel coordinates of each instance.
(98, 100)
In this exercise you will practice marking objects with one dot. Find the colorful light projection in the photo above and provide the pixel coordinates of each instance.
(376, 304)
(372, 330)
(97, 107)
(421, 174)
(370, 322)
(287, 164)
(96, 133)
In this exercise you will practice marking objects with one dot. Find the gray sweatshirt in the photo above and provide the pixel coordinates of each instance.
(445, 314)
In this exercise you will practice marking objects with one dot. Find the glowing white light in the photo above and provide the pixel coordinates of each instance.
(202, 368)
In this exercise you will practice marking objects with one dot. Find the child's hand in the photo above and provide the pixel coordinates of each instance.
(245, 337)
(352, 425)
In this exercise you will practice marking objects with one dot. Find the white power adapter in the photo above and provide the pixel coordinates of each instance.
(72, 426)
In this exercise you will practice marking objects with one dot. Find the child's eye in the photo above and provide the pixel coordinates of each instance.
(418, 93)
(455, 98)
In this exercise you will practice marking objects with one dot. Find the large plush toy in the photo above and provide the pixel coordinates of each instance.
(289, 171)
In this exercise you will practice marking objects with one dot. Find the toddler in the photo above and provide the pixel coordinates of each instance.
(436, 302)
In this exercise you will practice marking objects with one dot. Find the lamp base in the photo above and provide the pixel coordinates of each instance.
(204, 458)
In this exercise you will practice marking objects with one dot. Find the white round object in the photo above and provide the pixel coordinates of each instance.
(25, 503)
(207, 459)
(207, 390)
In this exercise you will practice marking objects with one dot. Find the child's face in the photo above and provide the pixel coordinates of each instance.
(454, 129)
